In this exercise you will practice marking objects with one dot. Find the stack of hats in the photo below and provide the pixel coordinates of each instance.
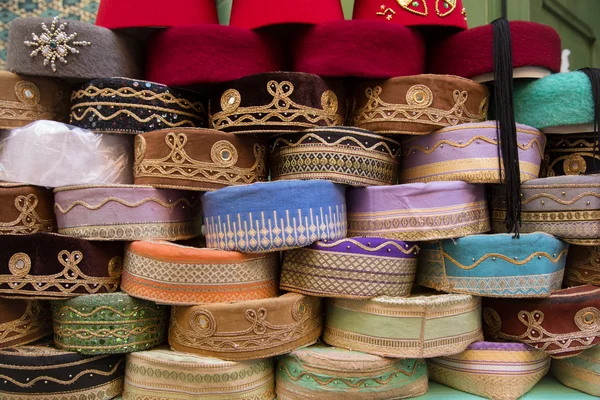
(295, 206)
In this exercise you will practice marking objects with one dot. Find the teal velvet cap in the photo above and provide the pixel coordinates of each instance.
(499, 265)
(556, 100)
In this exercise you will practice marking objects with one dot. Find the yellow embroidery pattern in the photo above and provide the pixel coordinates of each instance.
(27, 108)
(33, 323)
(28, 221)
(179, 165)
(417, 109)
(282, 111)
(406, 4)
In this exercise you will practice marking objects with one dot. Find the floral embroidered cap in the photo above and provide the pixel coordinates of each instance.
(563, 325)
(198, 159)
(247, 330)
(71, 50)
(449, 14)
(330, 373)
(26, 99)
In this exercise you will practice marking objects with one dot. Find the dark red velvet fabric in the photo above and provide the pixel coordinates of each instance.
(424, 13)
(201, 54)
(365, 49)
(470, 53)
(252, 14)
(115, 14)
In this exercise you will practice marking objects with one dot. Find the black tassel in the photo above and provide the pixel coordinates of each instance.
(506, 128)
(594, 76)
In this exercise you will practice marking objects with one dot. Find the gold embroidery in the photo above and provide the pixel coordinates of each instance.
(419, 99)
(461, 145)
(405, 4)
(553, 259)
(68, 281)
(125, 231)
(28, 221)
(583, 266)
(202, 322)
(105, 391)
(281, 111)
(35, 323)
(587, 320)
(549, 196)
(27, 93)
(570, 153)
(115, 267)
(378, 142)
(54, 43)
(414, 249)
(449, 5)
(179, 165)
(386, 12)
(170, 204)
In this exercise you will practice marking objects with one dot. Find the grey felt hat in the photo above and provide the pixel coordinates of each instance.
(71, 50)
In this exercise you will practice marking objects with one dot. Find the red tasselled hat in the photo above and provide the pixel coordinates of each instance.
(253, 14)
(413, 13)
(116, 14)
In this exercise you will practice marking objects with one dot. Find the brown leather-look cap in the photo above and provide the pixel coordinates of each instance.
(23, 321)
(418, 104)
(198, 159)
(24, 99)
(26, 209)
(277, 102)
(51, 266)
(562, 325)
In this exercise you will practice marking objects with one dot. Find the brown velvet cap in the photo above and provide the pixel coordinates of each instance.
(583, 266)
(247, 330)
(23, 321)
(37, 45)
(562, 325)
(51, 266)
(26, 209)
(24, 99)
(418, 104)
(277, 102)
(198, 159)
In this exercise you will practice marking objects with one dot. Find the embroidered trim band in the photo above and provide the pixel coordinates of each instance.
(25, 209)
(247, 330)
(583, 266)
(23, 321)
(572, 154)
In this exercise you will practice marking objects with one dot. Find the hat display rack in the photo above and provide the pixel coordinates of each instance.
(296, 205)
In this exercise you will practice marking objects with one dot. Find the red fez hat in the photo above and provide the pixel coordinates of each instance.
(201, 54)
(364, 49)
(536, 52)
(115, 14)
(253, 14)
(415, 13)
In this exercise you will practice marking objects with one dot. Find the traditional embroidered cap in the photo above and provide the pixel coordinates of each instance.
(247, 330)
(108, 323)
(417, 105)
(583, 266)
(559, 103)
(420, 326)
(277, 102)
(572, 154)
(325, 49)
(332, 373)
(24, 99)
(43, 372)
(491, 370)
(198, 159)
(581, 372)
(197, 54)
(25, 209)
(251, 14)
(23, 321)
(273, 216)
(531, 265)
(50, 266)
(562, 325)
(343, 155)
(567, 207)
(351, 268)
(71, 50)
(121, 105)
(468, 152)
(127, 212)
(169, 375)
(418, 211)
(415, 13)
(536, 52)
(172, 274)
(116, 14)
(62, 155)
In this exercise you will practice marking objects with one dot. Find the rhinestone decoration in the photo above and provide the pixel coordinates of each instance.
(54, 44)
